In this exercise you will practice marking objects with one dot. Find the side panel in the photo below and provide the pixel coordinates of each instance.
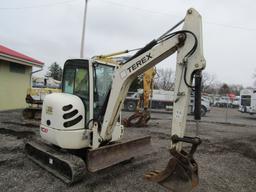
(63, 111)
(63, 121)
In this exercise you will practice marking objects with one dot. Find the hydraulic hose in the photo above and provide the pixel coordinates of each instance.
(197, 104)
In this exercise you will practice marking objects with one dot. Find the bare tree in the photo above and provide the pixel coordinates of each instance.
(236, 88)
(164, 79)
(137, 84)
(213, 88)
(208, 82)
(224, 89)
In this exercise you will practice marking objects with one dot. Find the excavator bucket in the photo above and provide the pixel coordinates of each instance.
(180, 175)
(138, 119)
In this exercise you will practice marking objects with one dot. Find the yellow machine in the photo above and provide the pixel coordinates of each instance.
(141, 117)
(34, 99)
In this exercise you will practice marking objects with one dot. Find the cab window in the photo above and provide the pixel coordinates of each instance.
(102, 85)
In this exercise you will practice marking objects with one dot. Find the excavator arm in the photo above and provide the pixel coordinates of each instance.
(188, 45)
(181, 172)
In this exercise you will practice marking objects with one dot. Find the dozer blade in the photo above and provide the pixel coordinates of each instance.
(72, 168)
(69, 168)
(180, 175)
(112, 154)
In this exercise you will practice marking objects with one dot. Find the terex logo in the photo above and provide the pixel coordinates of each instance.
(140, 62)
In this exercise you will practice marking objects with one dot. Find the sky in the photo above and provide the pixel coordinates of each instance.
(50, 30)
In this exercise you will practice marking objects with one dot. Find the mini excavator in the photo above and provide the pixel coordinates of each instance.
(81, 128)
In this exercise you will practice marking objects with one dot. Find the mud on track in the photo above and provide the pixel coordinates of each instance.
(226, 158)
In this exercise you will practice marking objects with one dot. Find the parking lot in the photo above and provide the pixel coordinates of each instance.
(226, 158)
(216, 115)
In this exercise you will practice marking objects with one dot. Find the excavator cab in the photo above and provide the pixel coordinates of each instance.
(86, 85)
(77, 81)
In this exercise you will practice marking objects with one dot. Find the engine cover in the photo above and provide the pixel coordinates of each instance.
(63, 121)
(63, 111)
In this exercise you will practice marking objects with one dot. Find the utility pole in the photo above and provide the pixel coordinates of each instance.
(83, 31)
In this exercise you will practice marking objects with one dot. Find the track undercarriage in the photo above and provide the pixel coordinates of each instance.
(72, 165)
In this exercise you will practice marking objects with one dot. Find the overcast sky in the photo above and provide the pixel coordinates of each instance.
(50, 30)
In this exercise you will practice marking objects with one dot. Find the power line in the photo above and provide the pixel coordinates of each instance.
(231, 26)
(174, 15)
(130, 7)
(38, 6)
(139, 9)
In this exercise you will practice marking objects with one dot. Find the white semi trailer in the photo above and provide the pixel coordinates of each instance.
(247, 102)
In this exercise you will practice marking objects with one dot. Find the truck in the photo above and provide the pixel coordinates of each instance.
(163, 100)
(247, 102)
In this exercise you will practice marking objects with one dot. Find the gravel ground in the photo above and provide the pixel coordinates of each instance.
(226, 158)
